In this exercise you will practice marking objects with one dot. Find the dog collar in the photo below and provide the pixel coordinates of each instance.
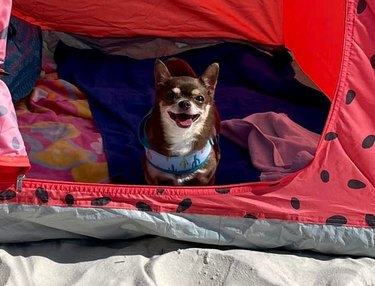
(176, 165)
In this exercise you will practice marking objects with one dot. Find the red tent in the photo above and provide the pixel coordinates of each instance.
(327, 206)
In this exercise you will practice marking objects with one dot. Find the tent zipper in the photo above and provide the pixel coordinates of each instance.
(19, 181)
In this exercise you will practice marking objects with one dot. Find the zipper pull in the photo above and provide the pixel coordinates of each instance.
(20, 179)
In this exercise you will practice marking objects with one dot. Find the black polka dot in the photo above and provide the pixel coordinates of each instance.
(184, 205)
(142, 206)
(350, 96)
(101, 201)
(370, 220)
(160, 191)
(7, 195)
(356, 184)
(336, 220)
(250, 216)
(324, 176)
(295, 203)
(69, 200)
(372, 61)
(368, 142)
(42, 195)
(222, 191)
(330, 136)
(362, 4)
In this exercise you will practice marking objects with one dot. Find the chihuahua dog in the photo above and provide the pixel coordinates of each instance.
(180, 132)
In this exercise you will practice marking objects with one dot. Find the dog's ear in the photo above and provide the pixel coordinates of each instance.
(161, 73)
(209, 77)
(179, 67)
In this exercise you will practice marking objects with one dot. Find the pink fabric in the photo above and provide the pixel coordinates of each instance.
(11, 143)
(13, 157)
(6, 6)
(277, 145)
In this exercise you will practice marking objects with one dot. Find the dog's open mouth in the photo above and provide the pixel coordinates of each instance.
(183, 120)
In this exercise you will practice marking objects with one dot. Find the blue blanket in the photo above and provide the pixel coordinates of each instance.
(120, 92)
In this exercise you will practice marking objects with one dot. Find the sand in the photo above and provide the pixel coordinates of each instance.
(159, 261)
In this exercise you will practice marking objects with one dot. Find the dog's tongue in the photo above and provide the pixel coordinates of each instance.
(184, 120)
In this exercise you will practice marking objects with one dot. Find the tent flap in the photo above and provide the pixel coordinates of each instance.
(258, 21)
(314, 32)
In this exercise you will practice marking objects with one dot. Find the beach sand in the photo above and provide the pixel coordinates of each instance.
(160, 261)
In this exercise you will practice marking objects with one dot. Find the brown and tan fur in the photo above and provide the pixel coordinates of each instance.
(175, 79)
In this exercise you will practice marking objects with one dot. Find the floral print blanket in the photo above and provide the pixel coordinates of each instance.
(60, 135)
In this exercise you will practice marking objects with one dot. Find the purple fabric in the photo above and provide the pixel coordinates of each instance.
(277, 145)
(120, 92)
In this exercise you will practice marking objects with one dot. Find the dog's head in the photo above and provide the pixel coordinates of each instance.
(183, 99)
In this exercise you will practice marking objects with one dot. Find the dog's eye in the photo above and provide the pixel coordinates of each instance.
(170, 96)
(199, 98)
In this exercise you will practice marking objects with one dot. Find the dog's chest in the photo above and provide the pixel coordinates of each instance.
(181, 144)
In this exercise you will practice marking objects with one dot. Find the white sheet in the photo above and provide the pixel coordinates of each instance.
(160, 261)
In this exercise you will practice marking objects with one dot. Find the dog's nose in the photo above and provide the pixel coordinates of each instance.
(184, 104)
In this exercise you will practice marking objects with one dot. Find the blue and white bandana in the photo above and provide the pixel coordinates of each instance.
(176, 165)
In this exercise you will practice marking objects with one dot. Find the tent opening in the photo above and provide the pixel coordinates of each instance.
(80, 116)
